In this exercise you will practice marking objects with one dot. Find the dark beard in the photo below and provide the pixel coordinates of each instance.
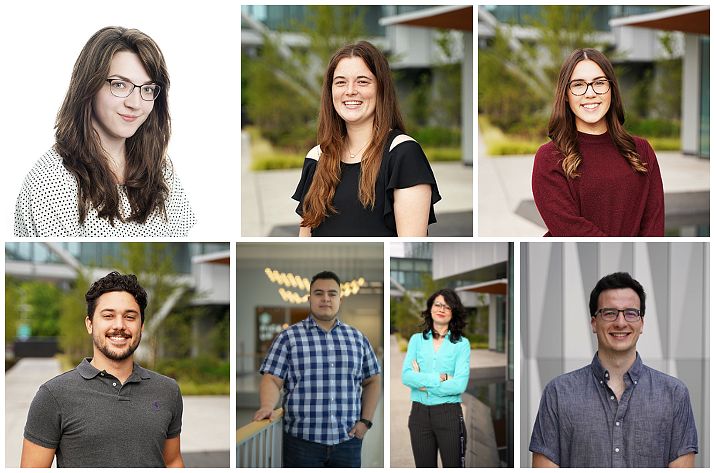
(115, 356)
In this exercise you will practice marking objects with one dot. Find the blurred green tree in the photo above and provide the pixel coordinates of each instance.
(153, 265)
(282, 86)
(74, 340)
(517, 80)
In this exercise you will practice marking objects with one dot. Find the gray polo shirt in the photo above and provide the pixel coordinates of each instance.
(580, 423)
(92, 420)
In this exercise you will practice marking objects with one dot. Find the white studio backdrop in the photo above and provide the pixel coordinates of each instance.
(201, 43)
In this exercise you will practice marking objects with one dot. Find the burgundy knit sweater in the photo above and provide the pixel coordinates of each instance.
(608, 199)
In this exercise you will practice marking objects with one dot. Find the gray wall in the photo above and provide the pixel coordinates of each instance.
(556, 337)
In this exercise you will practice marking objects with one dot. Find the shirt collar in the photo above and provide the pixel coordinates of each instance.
(446, 337)
(312, 324)
(602, 374)
(88, 371)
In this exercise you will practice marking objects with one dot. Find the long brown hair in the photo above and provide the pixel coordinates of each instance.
(562, 129)
(80, 146)
(331, 133)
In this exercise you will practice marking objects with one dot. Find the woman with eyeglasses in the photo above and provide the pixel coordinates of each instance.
(593, 178)
(366, 177)
(108, 173)
(436, 367)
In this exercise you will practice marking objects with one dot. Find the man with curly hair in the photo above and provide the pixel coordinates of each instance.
(109, 411)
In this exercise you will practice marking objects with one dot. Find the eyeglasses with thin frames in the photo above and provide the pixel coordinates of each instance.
(123, 88)
(610, 315)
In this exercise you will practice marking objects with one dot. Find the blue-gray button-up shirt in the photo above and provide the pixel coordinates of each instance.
(580, 423)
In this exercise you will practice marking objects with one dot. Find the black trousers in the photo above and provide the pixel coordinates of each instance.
(437, 428)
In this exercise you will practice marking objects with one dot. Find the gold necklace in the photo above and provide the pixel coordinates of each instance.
(358, 151)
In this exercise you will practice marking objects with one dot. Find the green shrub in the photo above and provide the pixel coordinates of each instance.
(665, 144)
(501, 148)
(442, 154)
(434, 136)
(277, 161)
(654, 127)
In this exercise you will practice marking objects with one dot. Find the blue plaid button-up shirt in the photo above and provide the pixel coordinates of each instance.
(580, 423)
(323, 373)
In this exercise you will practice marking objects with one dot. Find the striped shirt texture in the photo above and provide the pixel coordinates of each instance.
(451, 359)
(323, 374)
(581, 424)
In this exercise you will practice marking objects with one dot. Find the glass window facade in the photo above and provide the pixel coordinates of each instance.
(280, 17)
(97, 253)
(601, 15)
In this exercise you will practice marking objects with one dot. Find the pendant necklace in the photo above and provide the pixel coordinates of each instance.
(358, 151)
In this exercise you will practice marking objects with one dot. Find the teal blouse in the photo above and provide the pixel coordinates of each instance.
(451, 359)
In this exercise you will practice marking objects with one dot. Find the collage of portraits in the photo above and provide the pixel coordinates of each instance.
(388, 270)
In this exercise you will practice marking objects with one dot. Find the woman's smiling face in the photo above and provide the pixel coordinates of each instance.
(590, 108)
(354, 91)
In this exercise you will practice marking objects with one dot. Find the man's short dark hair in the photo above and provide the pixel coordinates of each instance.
(325, 275)
(616, 281)
(116, 282)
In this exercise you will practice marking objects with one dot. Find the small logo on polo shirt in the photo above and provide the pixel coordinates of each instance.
(156, 405)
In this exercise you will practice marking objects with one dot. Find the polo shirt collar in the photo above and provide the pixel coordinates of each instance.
(602, 374)
(88, 371)
(312, 324)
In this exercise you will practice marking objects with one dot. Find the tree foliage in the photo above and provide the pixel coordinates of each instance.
(282, 85)
(153, 264)
(74, 339)
(517, 79)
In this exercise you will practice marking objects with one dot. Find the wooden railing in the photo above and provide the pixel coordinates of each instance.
(260, 444)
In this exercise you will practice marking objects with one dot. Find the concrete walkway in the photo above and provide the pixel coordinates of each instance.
(206, 438)
(267, 208)
(504, 182)
(400, 447)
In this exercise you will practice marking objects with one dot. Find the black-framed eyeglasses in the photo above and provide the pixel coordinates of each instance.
(610, 315)
(579, 87)
(439, 305)
(123, 88)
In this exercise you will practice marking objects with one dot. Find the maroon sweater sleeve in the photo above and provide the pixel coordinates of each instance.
(555, 199)
(652, 223)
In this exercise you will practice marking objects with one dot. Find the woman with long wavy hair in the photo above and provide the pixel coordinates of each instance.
(436, 367)
(366, 177)
(108, 173)
(593, 178)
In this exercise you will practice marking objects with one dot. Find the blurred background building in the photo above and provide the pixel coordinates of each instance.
(482, 275)
(271, 295)
(556, 336)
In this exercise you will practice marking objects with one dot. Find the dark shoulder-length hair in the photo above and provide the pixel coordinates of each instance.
(562, 129)
(332, 131)
(458, 315)
(80, 146)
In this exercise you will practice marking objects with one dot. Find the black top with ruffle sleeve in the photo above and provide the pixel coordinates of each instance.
(403, 166)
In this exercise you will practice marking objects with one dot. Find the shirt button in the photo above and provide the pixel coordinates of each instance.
(600, 381)
(617, 450)
(607, 375)
(635, 382)
(617, 423)
(114, 384)
(101, 374)
(612, 397)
